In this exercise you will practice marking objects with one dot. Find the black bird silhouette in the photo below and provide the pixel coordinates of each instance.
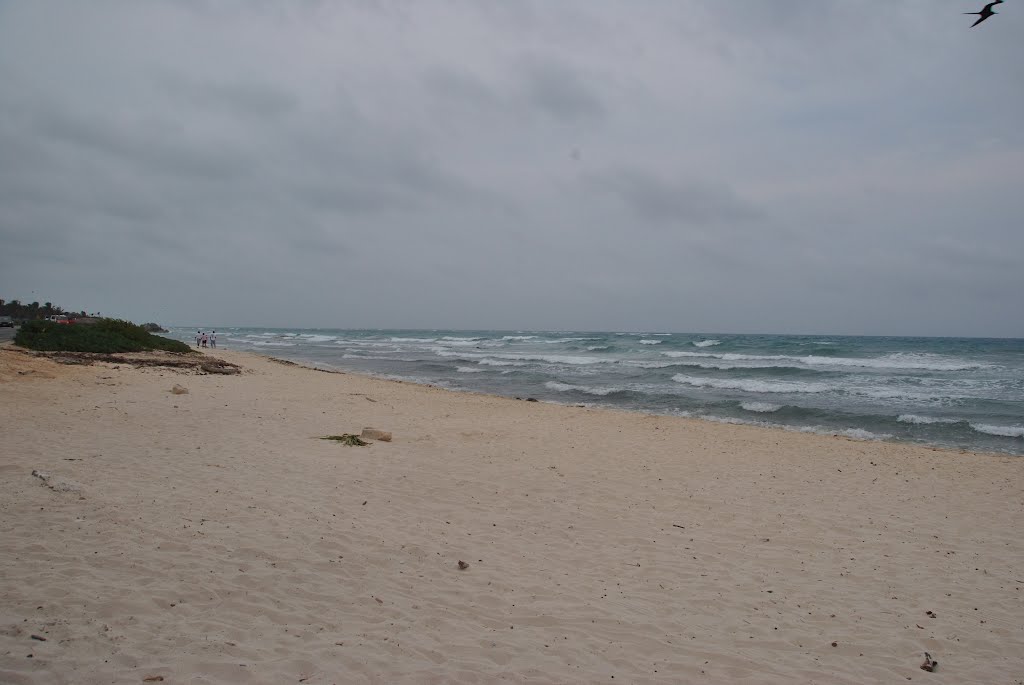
(985, 12)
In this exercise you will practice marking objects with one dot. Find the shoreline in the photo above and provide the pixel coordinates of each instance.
(823, 432)
(210, 535)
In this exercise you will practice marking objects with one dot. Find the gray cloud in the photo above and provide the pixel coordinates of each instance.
(687, 202)
(810, 166)
(560, 91)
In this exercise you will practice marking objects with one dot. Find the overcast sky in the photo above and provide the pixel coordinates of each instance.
(819, 166)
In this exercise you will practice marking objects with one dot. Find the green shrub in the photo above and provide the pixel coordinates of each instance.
(107, 335)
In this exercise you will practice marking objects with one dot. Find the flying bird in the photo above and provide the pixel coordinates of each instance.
(985, 12)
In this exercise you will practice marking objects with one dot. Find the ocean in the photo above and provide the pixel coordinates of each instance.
(965, 393)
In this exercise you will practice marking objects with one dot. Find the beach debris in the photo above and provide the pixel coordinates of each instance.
(153, 679)
(179, 390)
(39, 637)
(676, 525)
(931, 614)
(929, 664)
(375, 434)
(221, 367)
(532, 399)
(55, 483)
(835, 644)
(347, 439)
(463, 566)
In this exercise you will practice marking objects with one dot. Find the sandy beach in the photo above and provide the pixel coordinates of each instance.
(211, 537)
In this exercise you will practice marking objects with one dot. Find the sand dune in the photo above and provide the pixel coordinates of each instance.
(215, 539)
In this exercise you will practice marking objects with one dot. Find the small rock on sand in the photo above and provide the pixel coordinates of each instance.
(374, 434)
(178, 390)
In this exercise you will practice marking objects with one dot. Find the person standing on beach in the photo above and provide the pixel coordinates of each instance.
(199, 336)
(204, 339)
(213, 339)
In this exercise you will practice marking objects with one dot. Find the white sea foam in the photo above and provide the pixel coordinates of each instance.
(307, 337)
(922, 362)
(854, 433)
(643, 364)
(597, 348)
(861, 434)
(895, 394)
(468, 369)
(725, 366)
(761, 407)
(748, 385)
(418, 340)
(565, 387)
(518, 337)
(898, 360)
(548, 358)
(487, 361)
(924, 420)
(650, 342)
(459, 342)
(706, 343)
(559, 341)
(1002, 431)
(366, 343)
(735, 421)
(274, 344)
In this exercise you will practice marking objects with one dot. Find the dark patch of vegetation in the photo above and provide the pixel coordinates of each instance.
(347, 439)
(106, 335)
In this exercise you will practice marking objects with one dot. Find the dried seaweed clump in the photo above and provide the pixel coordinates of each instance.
(347, 439)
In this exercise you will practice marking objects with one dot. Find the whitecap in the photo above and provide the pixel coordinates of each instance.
(924, 420)
(706, 343)
(923, 362)
(861, 434)
(747, 385)
(650, 342)
(499, 362)
(318, 338)
(468, 369)
(565, 387)
(854, 433)
(761, 407)
(1002, 431)
(459, 342)
(899, 360)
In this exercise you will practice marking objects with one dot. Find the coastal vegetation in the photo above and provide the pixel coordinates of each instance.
(104, 336)
(20, 311)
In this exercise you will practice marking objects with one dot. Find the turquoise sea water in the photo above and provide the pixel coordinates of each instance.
(951, 392)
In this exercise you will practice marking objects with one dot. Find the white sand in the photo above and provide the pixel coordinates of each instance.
(215, 540)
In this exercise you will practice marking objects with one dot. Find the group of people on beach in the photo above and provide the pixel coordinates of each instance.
(206, 339)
